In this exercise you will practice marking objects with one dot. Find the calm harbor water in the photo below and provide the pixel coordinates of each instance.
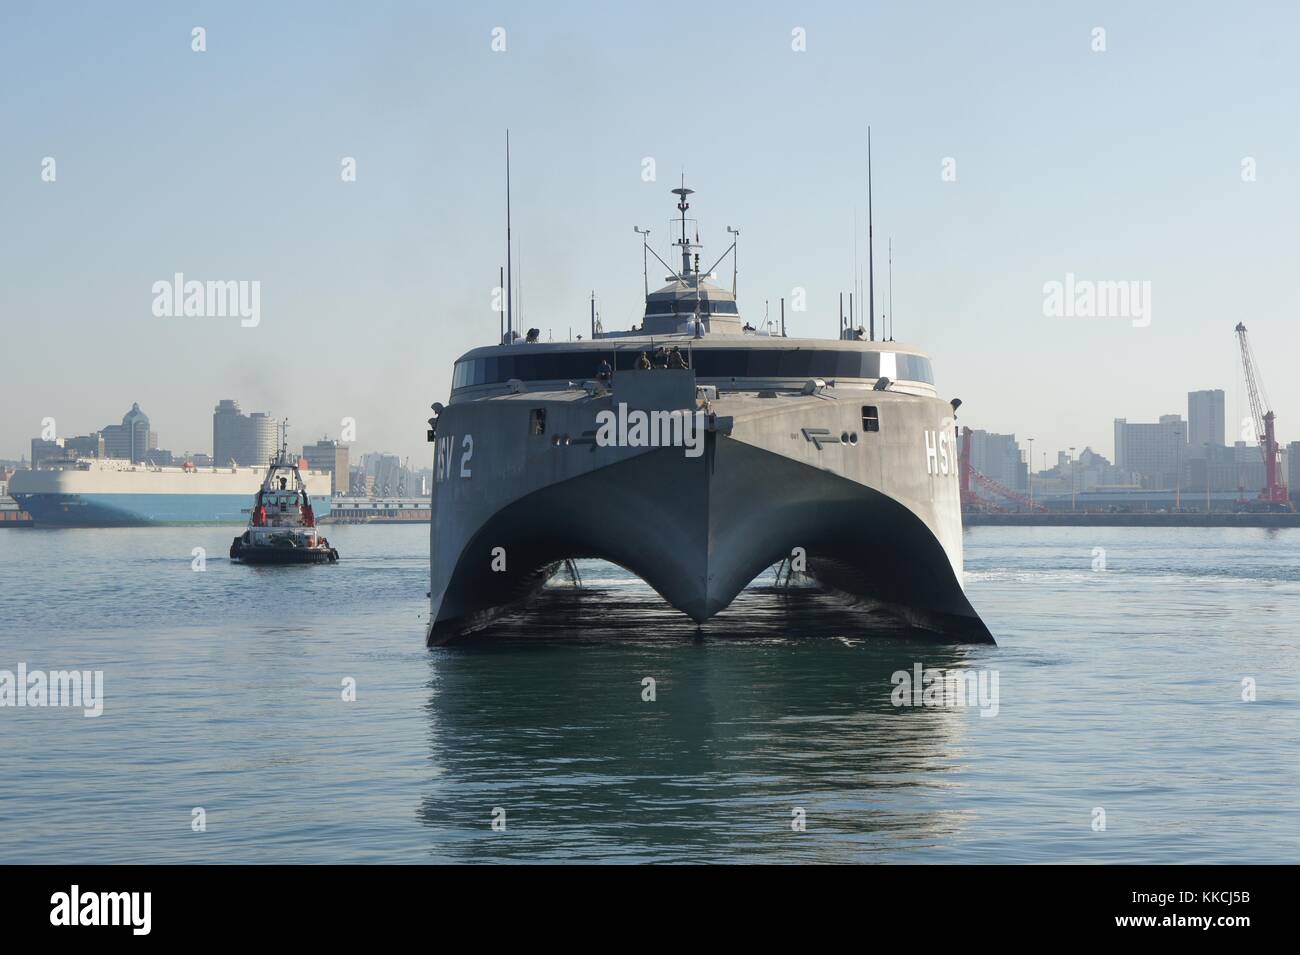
(1119, 688)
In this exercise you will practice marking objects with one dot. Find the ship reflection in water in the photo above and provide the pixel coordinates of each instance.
(779, 704)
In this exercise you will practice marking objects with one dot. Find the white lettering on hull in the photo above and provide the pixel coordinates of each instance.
(938, 452)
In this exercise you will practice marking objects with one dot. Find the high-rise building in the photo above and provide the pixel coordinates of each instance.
(332, 456)
(62, 451)
(1091, 470)
(1156, 452)
(263, 437)
(1205, 418)
(998, 456)
(131, 440)
(87, 446)
(246, 440)
(45, 453)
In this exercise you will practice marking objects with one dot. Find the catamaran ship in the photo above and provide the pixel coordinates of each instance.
(108, 492)
(697, 451)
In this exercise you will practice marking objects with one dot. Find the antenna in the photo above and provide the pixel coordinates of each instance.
(857, 263)
(891, 288)
(501, 313)
(783, 316)
(871, 269)
(509, 275)
(593, 313)
(735, 259)
(645, 244)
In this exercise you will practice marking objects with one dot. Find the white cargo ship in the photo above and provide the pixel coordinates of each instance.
(117, 493)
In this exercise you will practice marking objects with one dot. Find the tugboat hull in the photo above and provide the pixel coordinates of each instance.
(282, 555)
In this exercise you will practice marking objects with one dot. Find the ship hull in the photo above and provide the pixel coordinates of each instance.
(875, 516)
(284, 555)
(110, 497)
(133, 510)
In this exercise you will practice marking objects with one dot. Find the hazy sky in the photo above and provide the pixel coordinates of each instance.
(225, 165)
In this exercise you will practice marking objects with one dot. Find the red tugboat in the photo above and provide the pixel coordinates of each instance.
(282, 529)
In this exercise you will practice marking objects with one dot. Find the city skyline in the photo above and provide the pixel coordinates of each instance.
(1186, 418)
(110, 448)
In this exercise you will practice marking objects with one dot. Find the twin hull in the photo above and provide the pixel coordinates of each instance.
(874, 513)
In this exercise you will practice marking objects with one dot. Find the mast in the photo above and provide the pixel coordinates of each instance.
(857, 264)
(682, 206)
(509, 275)
(871, 269)
(735, 258)
(645, 259)
(891, 289)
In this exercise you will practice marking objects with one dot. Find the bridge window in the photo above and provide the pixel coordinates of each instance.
(795, 363)
(870, 418)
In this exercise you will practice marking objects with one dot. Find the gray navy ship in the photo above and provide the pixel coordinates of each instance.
(736, 449)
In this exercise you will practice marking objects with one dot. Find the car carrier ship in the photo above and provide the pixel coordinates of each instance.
(109, 492)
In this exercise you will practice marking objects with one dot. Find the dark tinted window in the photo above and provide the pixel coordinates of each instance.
(708, 363)
(915, 368)
(687, 307)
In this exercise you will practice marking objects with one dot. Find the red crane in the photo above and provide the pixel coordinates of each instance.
(1274, 492)
(970, 473)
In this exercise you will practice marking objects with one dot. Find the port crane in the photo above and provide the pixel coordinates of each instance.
(970, 474)
(1275, 491)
